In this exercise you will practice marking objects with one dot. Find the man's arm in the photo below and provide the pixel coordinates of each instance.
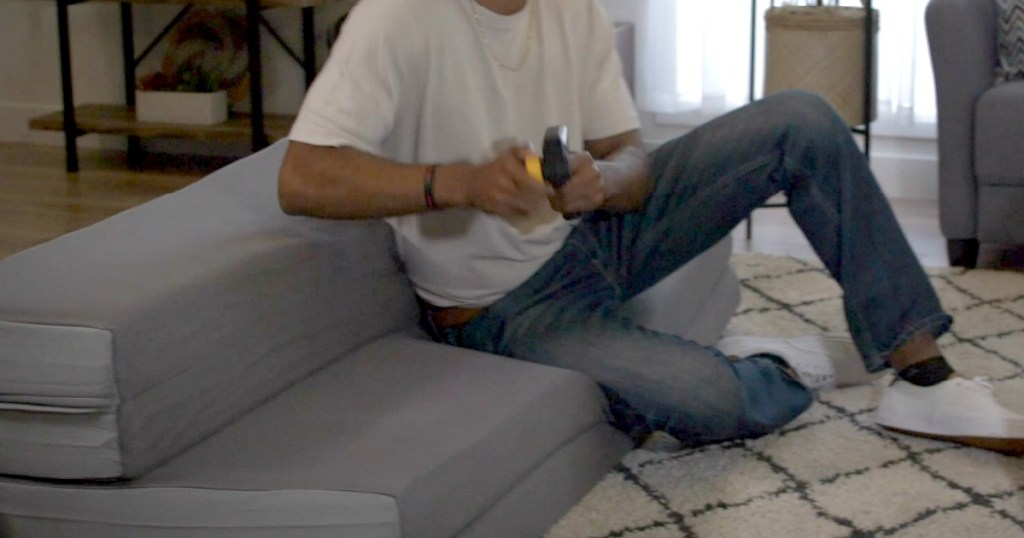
(345, 183)
(612, 175)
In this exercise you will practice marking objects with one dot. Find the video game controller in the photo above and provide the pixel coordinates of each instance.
(553, 165)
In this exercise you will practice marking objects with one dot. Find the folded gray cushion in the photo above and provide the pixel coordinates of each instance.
(50, 511)
(60, 368)
(125, 343)
(402, 434)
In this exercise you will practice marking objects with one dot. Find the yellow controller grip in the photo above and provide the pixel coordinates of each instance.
(534, 169)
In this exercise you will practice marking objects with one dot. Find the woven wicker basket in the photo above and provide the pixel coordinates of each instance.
(820, 49)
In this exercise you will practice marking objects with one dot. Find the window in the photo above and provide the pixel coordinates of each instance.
(694, 60)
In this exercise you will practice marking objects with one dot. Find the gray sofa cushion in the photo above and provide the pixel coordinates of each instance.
(432, 437)
(999, 135)
(180, 315)
(962, 41)
(1007, 203)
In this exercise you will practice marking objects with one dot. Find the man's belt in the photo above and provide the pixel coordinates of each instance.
(448, 317)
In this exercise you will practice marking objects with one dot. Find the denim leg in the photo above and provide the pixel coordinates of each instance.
(706, 183)
(567, 317)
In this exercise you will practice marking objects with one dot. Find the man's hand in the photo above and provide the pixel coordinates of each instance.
(586, 189)
(345, 183)
(501, 187)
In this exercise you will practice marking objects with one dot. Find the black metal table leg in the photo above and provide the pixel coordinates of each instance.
(252, 21)
(869, 70)
(308, 45)
(753, 50)
(128, 52)
(750, 87)
(70, 125)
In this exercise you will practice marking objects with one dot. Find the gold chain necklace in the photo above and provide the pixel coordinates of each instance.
(481, 33)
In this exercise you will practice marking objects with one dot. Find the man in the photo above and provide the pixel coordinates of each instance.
(426, 113)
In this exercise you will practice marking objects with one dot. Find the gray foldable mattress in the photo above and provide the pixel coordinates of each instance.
(204, 365)
(126, 342)
(365, 448)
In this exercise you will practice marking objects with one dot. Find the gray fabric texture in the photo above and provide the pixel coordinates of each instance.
(552, 488)
(44, 442)
(1008, 202)
(962, 41)
(57, 401)
(216, 301)
(32, 510)
(445, 432)
(999, 143)
(53, 366)
(711, 293)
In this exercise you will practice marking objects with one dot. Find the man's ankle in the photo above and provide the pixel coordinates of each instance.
(928, 372)
(917, 348)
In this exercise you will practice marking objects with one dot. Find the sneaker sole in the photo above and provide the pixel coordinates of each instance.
(1010, 447)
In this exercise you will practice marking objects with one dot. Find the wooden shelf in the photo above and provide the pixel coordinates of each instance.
(120, 120)
(227, 3)
(259, 128)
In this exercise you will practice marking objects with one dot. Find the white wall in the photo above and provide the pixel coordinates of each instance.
(31, 73)
(31, 67)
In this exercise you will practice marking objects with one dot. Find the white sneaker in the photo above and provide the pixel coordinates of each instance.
(959, 409)
(822, 361)
(660, 441)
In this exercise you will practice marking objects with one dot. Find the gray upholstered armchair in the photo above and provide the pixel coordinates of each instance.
(981, 131)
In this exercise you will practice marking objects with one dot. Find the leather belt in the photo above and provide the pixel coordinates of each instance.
(448, 317)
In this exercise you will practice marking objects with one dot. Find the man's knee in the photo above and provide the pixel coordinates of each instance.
(807, 111)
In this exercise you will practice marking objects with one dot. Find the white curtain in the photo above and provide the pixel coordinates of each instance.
(694, 61)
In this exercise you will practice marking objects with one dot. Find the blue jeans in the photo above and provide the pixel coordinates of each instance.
(707, 182)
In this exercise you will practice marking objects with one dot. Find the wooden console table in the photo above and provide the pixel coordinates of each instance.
(113, 119)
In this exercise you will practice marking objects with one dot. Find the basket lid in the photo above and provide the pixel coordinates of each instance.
(817, 18)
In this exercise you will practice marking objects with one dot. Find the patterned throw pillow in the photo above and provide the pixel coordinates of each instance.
(1010, 31)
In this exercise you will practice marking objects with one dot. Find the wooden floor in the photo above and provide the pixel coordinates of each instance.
(39, 201)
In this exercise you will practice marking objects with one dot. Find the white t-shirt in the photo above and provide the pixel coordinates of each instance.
(416, 81)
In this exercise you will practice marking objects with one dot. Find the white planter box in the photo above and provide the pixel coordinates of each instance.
(181, 107)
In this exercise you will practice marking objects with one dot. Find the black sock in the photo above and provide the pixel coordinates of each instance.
(927, 372)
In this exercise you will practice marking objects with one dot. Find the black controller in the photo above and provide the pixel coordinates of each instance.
(555, 161)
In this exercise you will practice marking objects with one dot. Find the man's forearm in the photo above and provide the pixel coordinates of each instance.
(623, 164)
(625, 175)
(345, 183)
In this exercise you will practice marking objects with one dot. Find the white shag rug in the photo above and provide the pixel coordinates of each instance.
(832, 472)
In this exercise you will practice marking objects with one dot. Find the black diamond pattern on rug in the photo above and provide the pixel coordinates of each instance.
(832, 471)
